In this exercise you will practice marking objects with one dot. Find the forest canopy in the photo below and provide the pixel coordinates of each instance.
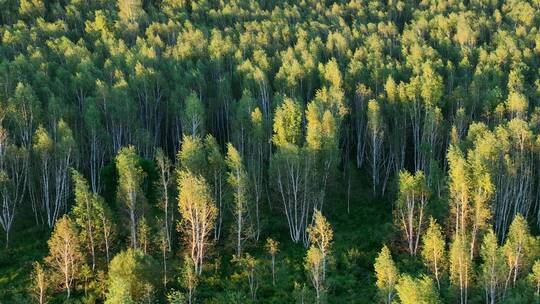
(265, 151)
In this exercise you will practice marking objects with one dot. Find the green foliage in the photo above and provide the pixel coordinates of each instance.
(130, 192)
(386, 274)
(434, 250)
(129, 272)
(287, 124)
(412, 290)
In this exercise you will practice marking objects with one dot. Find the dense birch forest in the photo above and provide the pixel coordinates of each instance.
(269, 151)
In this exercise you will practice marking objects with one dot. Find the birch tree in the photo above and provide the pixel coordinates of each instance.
(191, 156)
(250, 269)
(256, 163)
(131, 274)
(459, 189)
(193, 116)
(314, 266)
(518, 249)
(460, 266)
(40, 283)
(493, 269)
(514, 192)
(272, 247)
(376, 136)
(189, 279)
(216, 178)
(97, 142)
(24, 112)
(164, 183)
(386, 274)
(433, 250)
(535, 277)
(290, 169)
(143, 235)
(130, 13)
(322, 141)
(321, 235)
(198, 215)
(410, 207)
(397, 143)
(13, 180)
(481, 191)
(130, 192)
(85, 213)
(108, 227)
(64, 253)
(359, 113)
(238, 180)
(55, 154)
(416, 290)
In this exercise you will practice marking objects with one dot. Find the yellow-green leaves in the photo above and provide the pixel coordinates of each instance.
(459, 188)
(520, 248)
(493, 270)
(321, 233)
(191, 156)
(314, 265)
(460, 266)
(64, 253)
(416, 291)
(386, 274)
(198, 213)
(411, 207)
(287, 124)
(130, 192)
(193, 116)
(433, 250)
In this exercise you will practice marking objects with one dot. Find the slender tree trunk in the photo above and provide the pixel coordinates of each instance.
(273, 270)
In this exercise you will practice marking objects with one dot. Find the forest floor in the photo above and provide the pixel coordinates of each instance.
(28, 243)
